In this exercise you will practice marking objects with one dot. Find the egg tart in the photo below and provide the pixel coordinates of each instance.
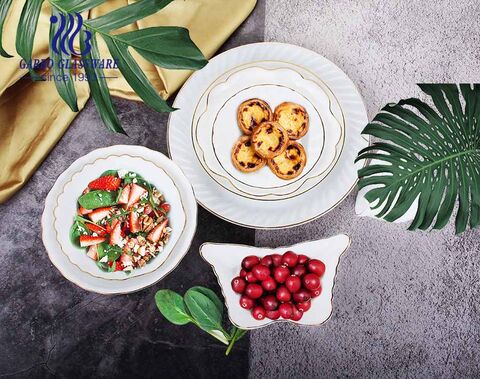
(269, 139)
(252, 113)
(294, 118)
(290, 163)
(244, 156)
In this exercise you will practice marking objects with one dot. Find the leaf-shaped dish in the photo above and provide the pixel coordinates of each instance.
(226, 262)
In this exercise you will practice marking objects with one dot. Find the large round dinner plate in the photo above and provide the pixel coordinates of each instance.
(347, 106)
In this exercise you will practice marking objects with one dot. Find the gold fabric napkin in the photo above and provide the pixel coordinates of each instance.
(32, 115)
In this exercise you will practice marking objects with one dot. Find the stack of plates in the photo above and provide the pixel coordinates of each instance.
(204, 129)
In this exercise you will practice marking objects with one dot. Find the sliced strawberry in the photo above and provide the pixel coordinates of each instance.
(123, 199)
(82, 211)
(156, 233)
(118, 266)
(96, 229)
(147, 209)
(125, 259)
(90, 240)
(108, 228)
(106, 183)
(136, 193)
(116, 235)
(134, 223)
(100, 213)
(93, 252)
(86, 190)
(166, 207)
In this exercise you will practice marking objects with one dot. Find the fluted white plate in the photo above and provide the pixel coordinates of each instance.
(269, 214)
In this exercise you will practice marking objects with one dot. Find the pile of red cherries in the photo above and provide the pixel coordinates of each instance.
(278, 285)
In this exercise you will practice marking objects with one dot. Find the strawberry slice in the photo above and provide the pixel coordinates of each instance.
(166, 207)
(123, 199)
(90, 240)
(116, 235)
(106, 183)
(134, 223)
(136, 193)
(83, 211)
(93, 252)
(125, 259)
(147, 209)
(156, 233)
(100, 213)
(96, 229)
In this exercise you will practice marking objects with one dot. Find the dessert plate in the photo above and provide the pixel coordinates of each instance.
(217, 130)
(347, 106)
(150, 164)
(226, 261)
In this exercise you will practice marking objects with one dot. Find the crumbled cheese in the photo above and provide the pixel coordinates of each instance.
(121, 173)
(140, 210)
(168, 229)
(122, 243)
(94, 235)
(134, 180)
(104, 259)
(128, 268)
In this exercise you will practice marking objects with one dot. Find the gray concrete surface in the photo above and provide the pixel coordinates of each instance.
(405, 304)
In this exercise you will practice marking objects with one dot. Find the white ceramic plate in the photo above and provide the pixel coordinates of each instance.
(270, 214)
(217, 129)
(60, 207)
(226, 261)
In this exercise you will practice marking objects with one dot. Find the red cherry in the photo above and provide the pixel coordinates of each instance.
(299, 270)
(290, 259)
(297, 314)
(281, 274)
(293, 283)
(266, 260)
(253, 290)
(283, 294)
(316, 292)
(273, 315)
(302, 259)
(286, 310)
(258, 313)
(270, 303)
(238, 284)
(250, 277)
(246, 302)
(261, 272)
(243, 273)
(304, 306)
(316, 267)
(250, 261)
(269, 284)
(311, 281)
(301, 296)
(276, 259)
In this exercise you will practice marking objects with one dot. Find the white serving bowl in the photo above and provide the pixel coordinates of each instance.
(226, 262)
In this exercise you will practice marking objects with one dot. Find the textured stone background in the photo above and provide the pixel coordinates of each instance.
(405, 304)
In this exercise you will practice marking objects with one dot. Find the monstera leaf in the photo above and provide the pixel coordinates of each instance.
(427, 153)
(168, 47)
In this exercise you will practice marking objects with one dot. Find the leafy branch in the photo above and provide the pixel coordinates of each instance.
(164, 46)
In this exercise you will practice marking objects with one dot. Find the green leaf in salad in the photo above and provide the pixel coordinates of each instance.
(98, 199)
(109, 172)
(172, 307)
(78, 228)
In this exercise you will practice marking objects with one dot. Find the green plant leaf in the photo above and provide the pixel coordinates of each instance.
(125, 16)
(171, 306)
(4, 7)
(165, 46)
(97, 199)
(65, 86)
(76, 230)
(76, 6)
(98, 87)
(211, 295)
(26, 29)
(432, 154)
(135, 76)
(203, 310)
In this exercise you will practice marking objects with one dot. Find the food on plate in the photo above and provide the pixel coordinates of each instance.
(277, 285)
(244, 156)
(294, 118)
(269, 139)
(252, 113)
(122, 221)
(290, 163)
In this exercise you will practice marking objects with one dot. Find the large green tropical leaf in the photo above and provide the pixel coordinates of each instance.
(73, 6)
(4, 7)
(165, 46)
(427, 153)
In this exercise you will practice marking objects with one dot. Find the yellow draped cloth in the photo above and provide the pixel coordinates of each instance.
(32, 115)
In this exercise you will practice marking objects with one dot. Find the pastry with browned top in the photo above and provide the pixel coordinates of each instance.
(290, 163)
(252, 113)
(294, 118)
(269, 139)
(244, 156)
